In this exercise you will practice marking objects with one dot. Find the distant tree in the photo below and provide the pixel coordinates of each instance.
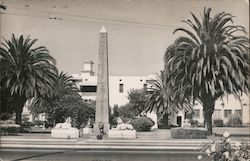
(25, 71)
(209, 63)
(74, 107)
(126, 111)
(115, 111)
(137, 98)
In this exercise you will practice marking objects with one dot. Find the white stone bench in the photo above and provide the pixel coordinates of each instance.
(123, 134)
(65, 133)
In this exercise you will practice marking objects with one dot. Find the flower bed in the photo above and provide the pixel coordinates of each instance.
(189, 133)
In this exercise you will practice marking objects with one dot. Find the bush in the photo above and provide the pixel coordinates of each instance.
(224, 150)
(113, 122)
(218, 123)
(234, 121)
(8, 126)
(142, 124)
(125, 119)
(5, 116)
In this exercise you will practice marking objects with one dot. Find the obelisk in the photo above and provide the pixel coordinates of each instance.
(102, 97)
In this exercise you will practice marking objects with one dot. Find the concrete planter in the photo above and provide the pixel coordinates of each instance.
(189, 133)
(99, 136)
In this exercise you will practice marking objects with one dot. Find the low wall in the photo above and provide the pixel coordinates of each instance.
(122, 134)
(65, 133)
(189, 133)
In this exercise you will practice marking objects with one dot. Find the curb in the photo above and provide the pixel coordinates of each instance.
(102, 147)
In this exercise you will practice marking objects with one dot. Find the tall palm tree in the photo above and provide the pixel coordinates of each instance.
(26, 71)
(160, 100)
(210, 62)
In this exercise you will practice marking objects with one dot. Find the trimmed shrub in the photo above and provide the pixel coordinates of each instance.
(188, 133)
(218, 123)
(9, 126)
(234, 121)
(142, 124)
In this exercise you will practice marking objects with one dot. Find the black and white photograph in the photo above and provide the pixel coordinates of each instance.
(124, 80)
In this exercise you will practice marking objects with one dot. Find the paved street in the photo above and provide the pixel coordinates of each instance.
(78, 155)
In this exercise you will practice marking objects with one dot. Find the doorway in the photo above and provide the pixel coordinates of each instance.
(179, 121)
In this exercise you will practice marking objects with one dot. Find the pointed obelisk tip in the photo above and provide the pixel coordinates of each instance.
(103, 30)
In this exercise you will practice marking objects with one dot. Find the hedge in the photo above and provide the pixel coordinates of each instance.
(9, 126)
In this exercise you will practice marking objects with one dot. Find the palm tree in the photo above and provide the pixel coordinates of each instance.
(160, 100)
(26, 71)
(65, 85)
(48, 103)
(209, 63)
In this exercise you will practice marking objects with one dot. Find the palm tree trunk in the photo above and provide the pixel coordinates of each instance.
(208, 110)
(19, 116)
(19, 103)
(165, 121)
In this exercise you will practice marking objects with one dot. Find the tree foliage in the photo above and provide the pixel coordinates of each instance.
(74, 107)
(62, 102)
(137, 99)
(208, 63)
(159, 98)
(126, 111)
(25, 71)
(49, 101)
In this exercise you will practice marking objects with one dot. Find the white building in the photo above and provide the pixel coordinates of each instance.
(119, 86)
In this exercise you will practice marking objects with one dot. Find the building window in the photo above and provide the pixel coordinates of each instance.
(238, 112)
(227, 113)
(145, 87)
(197, 113)
(217, 113)
(88, 88)
(121, 88)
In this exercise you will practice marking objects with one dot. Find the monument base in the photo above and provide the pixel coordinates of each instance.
(72, 133)
(122, 134)
(105, 129)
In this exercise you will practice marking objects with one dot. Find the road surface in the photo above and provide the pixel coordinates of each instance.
(85, 155)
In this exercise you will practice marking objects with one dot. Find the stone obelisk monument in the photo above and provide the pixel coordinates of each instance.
(102, 98)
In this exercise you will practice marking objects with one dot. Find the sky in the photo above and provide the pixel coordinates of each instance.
(139, 31)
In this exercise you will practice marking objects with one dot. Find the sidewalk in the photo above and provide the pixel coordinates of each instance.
(156, 140)
(234, 131)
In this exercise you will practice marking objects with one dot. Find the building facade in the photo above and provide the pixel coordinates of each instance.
(119, 86)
